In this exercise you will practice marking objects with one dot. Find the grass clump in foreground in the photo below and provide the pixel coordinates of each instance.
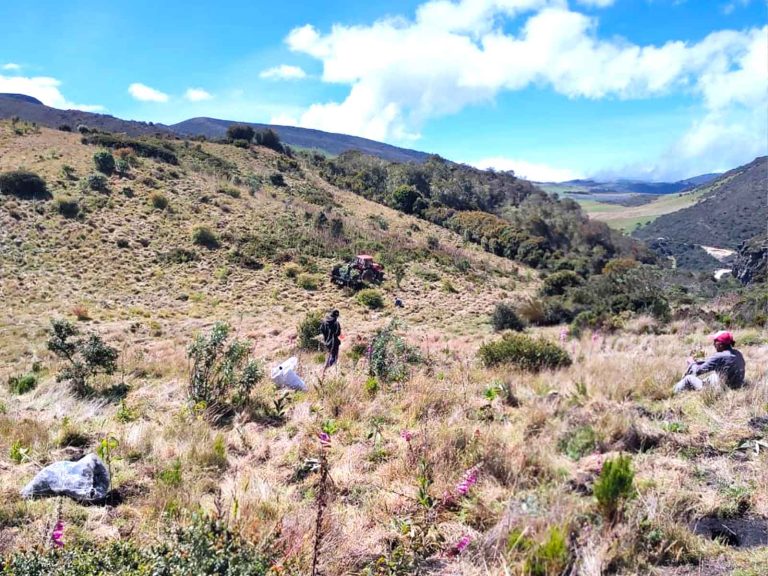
(206, 546)
(22, 384)
(524, 352)
(614, 486)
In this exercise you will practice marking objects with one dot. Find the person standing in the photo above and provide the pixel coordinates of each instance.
(726, 366)
(330, 328)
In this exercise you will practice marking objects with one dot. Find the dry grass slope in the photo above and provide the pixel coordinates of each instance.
(538, 440)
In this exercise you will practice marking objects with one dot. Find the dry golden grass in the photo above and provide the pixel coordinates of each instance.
(169, 460)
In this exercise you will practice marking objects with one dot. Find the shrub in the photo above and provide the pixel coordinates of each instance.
(205, 546)
(556, 284)
(204, 236)
(104, 162)
(22, 384)
(178, 256)
(308, 330)
(505, 318)
(614, 486)
(370, 298)
(579, 442)
(65, 128)
(551, 556)
(524, 352)
(122, 167)
(270, 139)
(229, 191)
(292, 270)
(97, 182)
(307, 281)
(240, 143)
(67, 207)
(85, 357)
(83, 129)
(390, 356)
(277, 179)
(141, 147)
(158, 200)
(240, 132)
(23, 184)
(221, 373)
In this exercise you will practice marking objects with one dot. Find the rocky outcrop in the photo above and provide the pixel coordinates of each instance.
(751, 264)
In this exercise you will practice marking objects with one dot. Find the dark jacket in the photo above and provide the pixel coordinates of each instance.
(729, 364)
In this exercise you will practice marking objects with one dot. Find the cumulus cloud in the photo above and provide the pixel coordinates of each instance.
(529, 170)
(283, 72)
(197, 95)
(11, 67)
(402, 72)
(45, 89)
(144, 93)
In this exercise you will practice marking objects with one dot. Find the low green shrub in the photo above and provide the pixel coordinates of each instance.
(370, 298)
(222, 374)
(67, 207)
(229, 191)
(97, 182)
(158, 200)
(204, 236)
(524, 352)
(614, 486)
(308, 330)
(292, 270)
(505, 318)
(104, 162)
(579, 442)
(390, 355)
(308, 282)
(142, 147)
(23, 184)
(205, 546)
(551, 556)
(22, 384)
(556, 284)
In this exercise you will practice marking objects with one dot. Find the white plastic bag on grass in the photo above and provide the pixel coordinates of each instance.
(285, 375)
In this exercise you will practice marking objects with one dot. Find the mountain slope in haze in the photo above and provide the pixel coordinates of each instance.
(329, 142)
(626, 186)
(732, 209)
(32, 110)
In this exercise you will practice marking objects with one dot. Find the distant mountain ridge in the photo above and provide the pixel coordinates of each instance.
(329, 142)
(32, 110)
(632, 186)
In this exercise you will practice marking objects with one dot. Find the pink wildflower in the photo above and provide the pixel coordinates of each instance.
(57, 536)
(406, 435)
(325, 439)
(469, 480)
(563, 335)
(462, 544)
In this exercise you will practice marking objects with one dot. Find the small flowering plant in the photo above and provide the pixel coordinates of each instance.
(57, 536)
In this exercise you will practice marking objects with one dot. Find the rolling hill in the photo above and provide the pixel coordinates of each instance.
(730, 210)
(32, 110)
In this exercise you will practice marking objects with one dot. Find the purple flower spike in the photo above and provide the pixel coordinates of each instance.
(406, 435)
(325, 439)
(469, 480)
(57, 536)
(462, 544)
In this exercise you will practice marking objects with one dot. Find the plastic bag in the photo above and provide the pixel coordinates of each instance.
(284, 375)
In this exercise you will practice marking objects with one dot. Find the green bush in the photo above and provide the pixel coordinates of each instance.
(370, 298)
(579, 442)
(505, 318)
(229, 191)
(204, 236)
(307, 281)
(22, 384)
(277, 179)
(85, 357)
(67, 207)
(556, 284)
(97, 182)
(205, 546)
(142, 147)
(551, 556)
(524, 352)
(104, 162)
(270, 139)
(158, 200)
(23, 184)
(240, 132)
(308, 330)
(614, 486)
(222, 374)
(390, 355)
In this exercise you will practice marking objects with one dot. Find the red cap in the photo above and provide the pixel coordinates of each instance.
(724, 337)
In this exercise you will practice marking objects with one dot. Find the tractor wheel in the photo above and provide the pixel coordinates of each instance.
(368, 276)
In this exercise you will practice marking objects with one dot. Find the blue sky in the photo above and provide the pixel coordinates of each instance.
(554, 89)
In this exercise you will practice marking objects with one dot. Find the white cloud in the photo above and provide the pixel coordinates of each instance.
(11, 67)
(283, 72)
(596, 3)
(144, 93)
(529, 170)
(452, 55)
(197, 95)
(45, 89)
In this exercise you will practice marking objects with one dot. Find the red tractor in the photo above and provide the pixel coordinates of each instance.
(362, 270)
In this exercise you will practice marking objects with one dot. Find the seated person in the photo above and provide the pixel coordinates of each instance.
(726, 367)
